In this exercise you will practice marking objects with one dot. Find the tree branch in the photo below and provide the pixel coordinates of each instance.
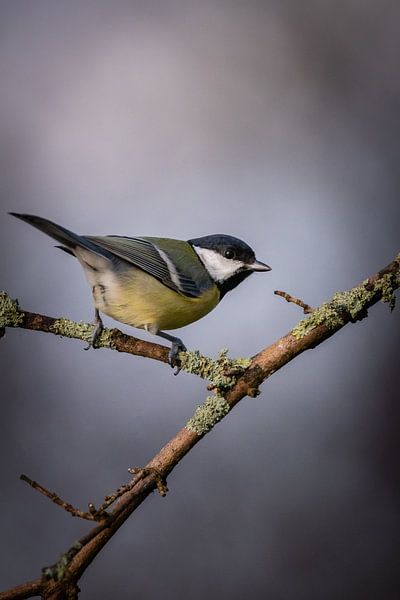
(11, 315)
(230, 382)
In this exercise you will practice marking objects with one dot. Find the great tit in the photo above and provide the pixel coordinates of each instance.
(155, 283)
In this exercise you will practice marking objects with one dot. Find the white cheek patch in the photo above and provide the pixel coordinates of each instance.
(219, 267)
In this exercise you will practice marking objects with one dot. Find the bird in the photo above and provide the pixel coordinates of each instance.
(154, 283)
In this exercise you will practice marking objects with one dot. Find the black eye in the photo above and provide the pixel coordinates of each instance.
(229, 253)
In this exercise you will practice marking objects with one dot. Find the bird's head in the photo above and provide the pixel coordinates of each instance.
(227, 259)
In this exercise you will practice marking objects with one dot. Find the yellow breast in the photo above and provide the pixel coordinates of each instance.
(140, 300)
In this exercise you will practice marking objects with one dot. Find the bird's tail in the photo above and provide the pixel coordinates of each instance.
(67, 238)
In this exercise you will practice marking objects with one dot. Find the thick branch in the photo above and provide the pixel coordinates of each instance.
(343, 308)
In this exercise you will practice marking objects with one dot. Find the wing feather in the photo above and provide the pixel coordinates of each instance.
(143, 254)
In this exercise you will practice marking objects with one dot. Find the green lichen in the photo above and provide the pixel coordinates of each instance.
(324, 314)
(68, 328)
(208, 414)
(10, 313)
(106, 339)
(81, 331)
(58, 571)
(387, 285)
(353, 302)
(222, 372)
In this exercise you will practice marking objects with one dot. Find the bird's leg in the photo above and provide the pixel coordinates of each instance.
(97, 329)
(177, 346)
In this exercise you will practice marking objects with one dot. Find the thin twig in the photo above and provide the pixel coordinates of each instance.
(75, 512)
(306, 308)
(100, 514)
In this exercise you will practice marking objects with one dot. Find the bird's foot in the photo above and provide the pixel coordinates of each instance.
(173, 356)
(177, 346)
(97, 329)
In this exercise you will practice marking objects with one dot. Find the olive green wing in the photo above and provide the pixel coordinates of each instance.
(148, 256)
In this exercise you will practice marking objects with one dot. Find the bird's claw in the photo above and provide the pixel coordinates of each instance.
(173, 356)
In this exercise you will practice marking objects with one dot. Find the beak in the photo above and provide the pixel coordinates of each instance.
(257, 265)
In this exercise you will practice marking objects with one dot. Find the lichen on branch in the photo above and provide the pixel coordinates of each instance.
(221, 372)
(10, 313)
(208, 414)
(350, 305)
(81, 330)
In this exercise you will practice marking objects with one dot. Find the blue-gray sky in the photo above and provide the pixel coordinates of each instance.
(277, 122)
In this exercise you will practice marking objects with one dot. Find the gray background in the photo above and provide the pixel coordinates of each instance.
(277, 122)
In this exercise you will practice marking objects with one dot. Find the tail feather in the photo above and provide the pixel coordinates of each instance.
(67, 238)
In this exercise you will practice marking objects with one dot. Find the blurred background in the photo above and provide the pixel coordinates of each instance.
(277, 122)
